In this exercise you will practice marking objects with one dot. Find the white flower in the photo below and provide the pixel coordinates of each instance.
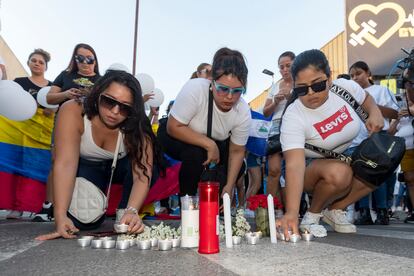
(240, 225)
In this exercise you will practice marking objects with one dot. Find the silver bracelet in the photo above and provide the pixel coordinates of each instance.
(130, 208)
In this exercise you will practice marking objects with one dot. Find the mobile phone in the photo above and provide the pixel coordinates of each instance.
(102, 233)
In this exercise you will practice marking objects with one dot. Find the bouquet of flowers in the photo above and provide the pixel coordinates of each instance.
(240, 226)
(161, 231)
(258, 204)
(257, 201)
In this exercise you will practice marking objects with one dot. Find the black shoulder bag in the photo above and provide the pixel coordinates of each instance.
(377, 157)
(217, 172)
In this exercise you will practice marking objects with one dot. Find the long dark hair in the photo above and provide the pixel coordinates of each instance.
(314, 58)
(136, 127)
(73, 66)
(229, 62)
(363, 66)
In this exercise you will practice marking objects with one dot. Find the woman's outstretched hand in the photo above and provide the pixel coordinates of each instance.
(64, 229)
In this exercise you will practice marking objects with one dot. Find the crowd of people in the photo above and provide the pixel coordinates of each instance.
(207, 128)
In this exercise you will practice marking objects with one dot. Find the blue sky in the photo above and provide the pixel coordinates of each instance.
(173, 36)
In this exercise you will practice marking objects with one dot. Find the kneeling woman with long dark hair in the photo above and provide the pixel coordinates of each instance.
(186, 137)
(315, 115)
(85, 142)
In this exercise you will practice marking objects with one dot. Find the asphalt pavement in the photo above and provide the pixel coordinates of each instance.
(373, 250)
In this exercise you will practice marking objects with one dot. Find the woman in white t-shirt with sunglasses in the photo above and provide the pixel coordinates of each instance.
(185, 137)
(275, 104)
(317, 116)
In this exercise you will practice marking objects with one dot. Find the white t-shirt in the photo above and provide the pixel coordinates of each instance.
(191, 108)
(1, 61)
(382, 96)
(405, 129)
(277, 113)
(331, 126)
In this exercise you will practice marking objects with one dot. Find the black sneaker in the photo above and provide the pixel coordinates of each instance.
(46, 214)
(365, 217)
(409, 219)
(382, 217)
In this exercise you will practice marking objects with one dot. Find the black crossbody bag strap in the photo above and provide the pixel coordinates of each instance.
(210, 112)
(346, 96)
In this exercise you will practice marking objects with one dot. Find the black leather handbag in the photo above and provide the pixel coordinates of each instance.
(377, 157)
(273, 145)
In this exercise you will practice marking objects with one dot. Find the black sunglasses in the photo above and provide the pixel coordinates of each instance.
(316, 87)
(83, 59)
(109, 103)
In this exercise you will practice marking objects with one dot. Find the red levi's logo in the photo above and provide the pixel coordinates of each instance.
(334, 124)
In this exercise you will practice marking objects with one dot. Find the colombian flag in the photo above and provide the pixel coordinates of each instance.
(25, 160)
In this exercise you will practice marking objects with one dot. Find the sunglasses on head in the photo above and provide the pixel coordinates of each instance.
(205, 71)
(316, 87)
(109, 103)
(223, 89)
(83, 59)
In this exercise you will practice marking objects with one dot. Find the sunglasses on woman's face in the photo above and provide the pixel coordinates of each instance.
(316, 87)
(109, 103)
(83, 59)
(223, 89)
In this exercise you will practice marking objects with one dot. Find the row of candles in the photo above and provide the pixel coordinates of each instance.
(251, 238)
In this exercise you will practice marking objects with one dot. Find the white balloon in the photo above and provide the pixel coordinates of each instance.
(15, 103)
(42, 98)
(146, 82)
(119, 67)
(157, 99)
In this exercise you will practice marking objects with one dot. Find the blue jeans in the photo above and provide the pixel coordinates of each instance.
(99, 173)
(380, 195)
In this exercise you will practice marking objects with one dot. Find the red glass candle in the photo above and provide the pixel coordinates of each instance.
(209, 220)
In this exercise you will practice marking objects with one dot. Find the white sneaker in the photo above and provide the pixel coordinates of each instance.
(337, 219)
(308, 220)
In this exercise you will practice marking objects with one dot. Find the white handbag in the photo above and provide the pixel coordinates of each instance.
(88, 202)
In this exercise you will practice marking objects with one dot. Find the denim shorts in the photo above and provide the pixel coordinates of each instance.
(253, 160)
(283, 168)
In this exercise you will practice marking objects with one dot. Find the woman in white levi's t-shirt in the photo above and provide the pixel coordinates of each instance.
(275, 104)
(317, 116)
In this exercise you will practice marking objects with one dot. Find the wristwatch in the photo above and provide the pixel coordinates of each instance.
(132, 209)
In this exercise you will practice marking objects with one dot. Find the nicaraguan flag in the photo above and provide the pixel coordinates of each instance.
(258, 133)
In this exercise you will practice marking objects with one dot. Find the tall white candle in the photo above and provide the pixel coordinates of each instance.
(227, 220)
(272, 222)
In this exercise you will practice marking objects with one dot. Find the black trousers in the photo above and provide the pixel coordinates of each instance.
(192, 158)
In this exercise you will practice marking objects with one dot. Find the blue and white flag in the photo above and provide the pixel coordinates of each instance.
(258, 133)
